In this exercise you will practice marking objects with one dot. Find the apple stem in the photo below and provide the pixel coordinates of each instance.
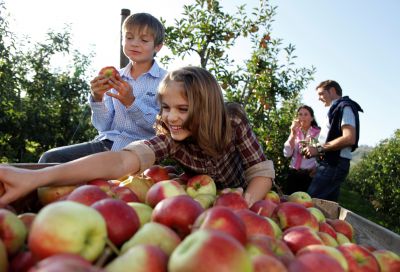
(104, 257)
(112, 246)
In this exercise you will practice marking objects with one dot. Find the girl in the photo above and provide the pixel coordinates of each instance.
(194, 127)
(303, 131)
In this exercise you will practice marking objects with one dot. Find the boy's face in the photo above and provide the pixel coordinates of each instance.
(138, 45)
(175, 110)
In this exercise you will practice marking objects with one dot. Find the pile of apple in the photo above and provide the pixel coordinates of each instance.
(162, 221)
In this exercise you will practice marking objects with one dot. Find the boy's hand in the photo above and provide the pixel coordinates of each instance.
(124, 91)
(100, 84)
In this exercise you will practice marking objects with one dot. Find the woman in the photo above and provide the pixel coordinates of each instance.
(303, 131)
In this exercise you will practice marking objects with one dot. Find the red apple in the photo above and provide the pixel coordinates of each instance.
(325, 227)
(163, 189)
(105, 185)
(262, 263)
(298, 237)
(201, 184)
(314, 262)
(328, 250)
(157, 173)
(108, 71)
(327, 239)
(388, 260)
(12, 231)
(255, 224)
(231, 200)
(266, 245)
(138, 185)
(121, 220)
(67, 227)
(178, 213)
(359, 258)
(264, 207)
(66, 262)
(341, 238)
(22, 261)
(87, 194)
(223, 219)
(292, 214)
(125, 194)
(300, 197)
(317, 213)
(273, 196)
(156, 234)
(3, 257)
(209, 250)
(49, 194)
(343, 227)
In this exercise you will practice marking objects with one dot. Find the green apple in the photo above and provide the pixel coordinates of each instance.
(201, 184)
(138, 185)
(68, 227)
(13, 231)
(143, 211)
(153, 233)
(205, 200)
(317, 213)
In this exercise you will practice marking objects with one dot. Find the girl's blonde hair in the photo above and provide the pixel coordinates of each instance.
(208, 119)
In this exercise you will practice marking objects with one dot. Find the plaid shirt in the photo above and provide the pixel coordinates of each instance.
(228, 169)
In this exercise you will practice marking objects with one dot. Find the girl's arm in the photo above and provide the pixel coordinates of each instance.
(107, 165)
(257, 189)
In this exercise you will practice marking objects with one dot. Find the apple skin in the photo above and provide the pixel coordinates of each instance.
(27, 218)
(108, 71)
(266, 245)
(49, 194)
(66, 262)
(140, 258)
(262, 263)
(209, 250)
(156, 234)
(138, 185)
(163, 189)
(201, 184)
(67, 227)
(359, 258)
(13, 231)
(205, 200)
(121, 220)
(105, 185)
(343, 227)
(255, 224)
(290, 214)
(388, 260)
(264, 207)
(143, 211)
(178, 213)
(298, 237)
(317, 213)
(3, 257)
(223, 219)
(327, 239)
(22, 261)
(302, 198)
(87, 194)
(342, 239)
(231, 200)
(156, 173)
(273, 196)
(314, 262)
(325, 227)
(331, 251)
(124, 193)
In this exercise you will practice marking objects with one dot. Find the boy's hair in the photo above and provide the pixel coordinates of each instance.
(146, 20)
(208, 120)
(327, 84)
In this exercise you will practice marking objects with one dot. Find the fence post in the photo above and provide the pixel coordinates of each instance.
(123, 60)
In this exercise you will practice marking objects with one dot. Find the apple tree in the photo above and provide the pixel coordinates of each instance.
(41, 106)
(266, 82)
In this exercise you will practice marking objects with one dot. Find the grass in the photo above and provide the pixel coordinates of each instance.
(354, 202)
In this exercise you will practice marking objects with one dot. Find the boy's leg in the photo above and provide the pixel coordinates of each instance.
(76, 151)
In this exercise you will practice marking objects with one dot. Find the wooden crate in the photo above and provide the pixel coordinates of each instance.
(366, 231)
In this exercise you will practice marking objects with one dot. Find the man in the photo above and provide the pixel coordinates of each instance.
(337, 139)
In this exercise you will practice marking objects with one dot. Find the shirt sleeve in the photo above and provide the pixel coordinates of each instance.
(102, 113)
(348, 117)
(144, 152)
(287, 149)
(262, 169)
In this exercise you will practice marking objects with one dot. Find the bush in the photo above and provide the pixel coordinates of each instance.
(377, 178)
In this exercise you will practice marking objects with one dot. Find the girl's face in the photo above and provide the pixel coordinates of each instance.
(304, 117)
(175, 110)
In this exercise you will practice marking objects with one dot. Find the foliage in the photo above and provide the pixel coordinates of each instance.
(40, 107)
(377, 178)
(267, 84)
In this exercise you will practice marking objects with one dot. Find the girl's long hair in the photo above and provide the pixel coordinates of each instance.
(208, 119)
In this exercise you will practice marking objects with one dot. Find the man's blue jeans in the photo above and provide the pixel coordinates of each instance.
(76, 151)
(327, 180)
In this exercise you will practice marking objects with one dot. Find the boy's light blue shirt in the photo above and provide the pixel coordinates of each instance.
(124, 125)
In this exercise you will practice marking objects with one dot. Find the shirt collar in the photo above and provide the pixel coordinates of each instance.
(154, 71)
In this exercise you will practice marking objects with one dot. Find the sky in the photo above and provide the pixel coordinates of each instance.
(355, 42)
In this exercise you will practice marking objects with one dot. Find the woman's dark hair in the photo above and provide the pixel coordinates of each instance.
(311, 111)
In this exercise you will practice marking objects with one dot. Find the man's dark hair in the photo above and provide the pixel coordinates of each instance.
(327, 84)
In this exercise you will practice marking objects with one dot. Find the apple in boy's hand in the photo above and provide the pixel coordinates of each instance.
(108, 71)
(68, 227)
